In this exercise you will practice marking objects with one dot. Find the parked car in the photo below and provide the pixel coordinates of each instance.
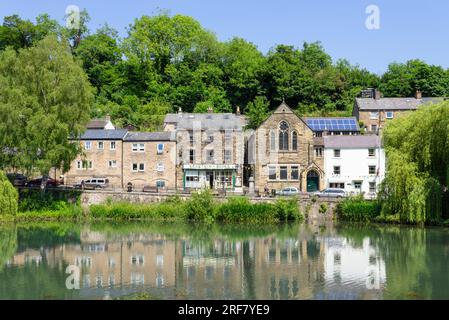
(94, 183)
(49, 182)
(18, 180)
(291, 191)
(331, 193)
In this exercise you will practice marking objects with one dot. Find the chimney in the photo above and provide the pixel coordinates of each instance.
(377, 94)
(418, 95)
(238, 111)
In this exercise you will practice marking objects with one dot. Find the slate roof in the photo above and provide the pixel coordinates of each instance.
(150, 136)
(94, 134)
(393, 103)
(208, 121)
(352, 142)
(97, 124)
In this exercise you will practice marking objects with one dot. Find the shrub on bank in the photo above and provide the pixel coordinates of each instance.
(8, 197)
(357, 209)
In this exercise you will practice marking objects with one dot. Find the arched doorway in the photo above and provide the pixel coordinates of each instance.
(313, 181)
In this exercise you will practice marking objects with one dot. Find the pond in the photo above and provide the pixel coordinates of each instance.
(173, 261)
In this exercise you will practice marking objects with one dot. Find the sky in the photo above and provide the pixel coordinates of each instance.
(408, 29)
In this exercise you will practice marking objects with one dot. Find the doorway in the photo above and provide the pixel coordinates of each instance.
(210, 179)
(313, 181)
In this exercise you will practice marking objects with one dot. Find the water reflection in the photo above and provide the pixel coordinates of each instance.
(194, 262)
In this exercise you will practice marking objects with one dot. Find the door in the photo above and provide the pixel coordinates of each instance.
(313, 181)
(210, 179)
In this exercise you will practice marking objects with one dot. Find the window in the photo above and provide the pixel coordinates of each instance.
(372, 170)
(295, 141)
(319, 152)
(160, 148)
(390, 115)
(337, 170)
(337, 153)
(283, 136)
(160, 184)
(374, 127)
(372, 187)
(374, 115)
(283, 173)
(160, 260)
(160, 167)
(272, 173)
(228, 156)
(138, 167)
(192, 156)
(371, 152)
(295, 173)
(112, 145)
(273, 141)
(138, 147)
(337, 185)
(210, 138)
(358, 185)
(79, 164)
(87, 145)
(87, 165)
(100, 145)
(192, 137)
(138, 260)
(112, 164)
(210, 155)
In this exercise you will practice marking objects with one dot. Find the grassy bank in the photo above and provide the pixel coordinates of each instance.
(201, 207)
(358, 209)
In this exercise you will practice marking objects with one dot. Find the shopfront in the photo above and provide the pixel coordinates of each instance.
(216, 177)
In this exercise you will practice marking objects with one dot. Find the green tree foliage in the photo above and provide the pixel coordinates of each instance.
(402, 80)
(417, 147)
(8, 196)
(257, 112)
(45, 97)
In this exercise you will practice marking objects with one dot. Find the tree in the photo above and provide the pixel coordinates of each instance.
(257, 112)
(8, 196)
(403, 80)
(417, 147)
(45, 97)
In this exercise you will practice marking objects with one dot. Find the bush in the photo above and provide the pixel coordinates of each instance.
(201, 207)
(323, 208)
(357, 209)
(287, 210)
(8, 196)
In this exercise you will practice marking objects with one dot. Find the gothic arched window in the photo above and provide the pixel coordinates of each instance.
(283, 136)
(295, 141)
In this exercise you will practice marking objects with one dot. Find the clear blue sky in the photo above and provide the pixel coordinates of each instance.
(409, 28)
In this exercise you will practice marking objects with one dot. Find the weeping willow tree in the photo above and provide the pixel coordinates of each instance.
(417, 149)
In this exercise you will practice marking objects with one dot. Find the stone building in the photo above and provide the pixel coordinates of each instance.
(101, 157)
(373, 111)
(210, 150)
(149, 159)
(285, 153)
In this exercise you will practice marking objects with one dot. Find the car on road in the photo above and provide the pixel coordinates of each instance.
(287, 192)
(48, 183)
(331, 193)
(94, 183)
(17, 180)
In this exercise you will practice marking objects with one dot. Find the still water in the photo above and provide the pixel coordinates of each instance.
(223, 262)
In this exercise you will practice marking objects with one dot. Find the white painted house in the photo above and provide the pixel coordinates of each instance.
(354, 163)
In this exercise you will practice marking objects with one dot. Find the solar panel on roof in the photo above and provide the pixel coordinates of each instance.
(321, 124)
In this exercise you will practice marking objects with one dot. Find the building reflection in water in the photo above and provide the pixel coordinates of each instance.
(308, 266)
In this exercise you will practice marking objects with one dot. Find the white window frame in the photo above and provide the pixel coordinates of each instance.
(339, 169)
(269, 168)
(113, 145)
(369, 170)
(87, 145)
(112, 163)
(160, 148)
(160, 167)
(102, 145)
(371, 155)
(337, 153)
(79, 165)
(374, 115)
(391, 113)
